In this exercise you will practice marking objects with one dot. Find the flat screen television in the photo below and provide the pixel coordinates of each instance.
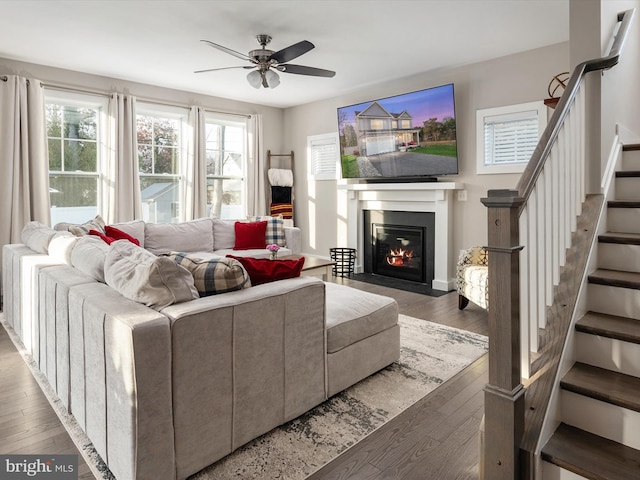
(403, 138)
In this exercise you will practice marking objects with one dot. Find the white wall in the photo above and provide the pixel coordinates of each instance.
(620, 98)
(518, 78)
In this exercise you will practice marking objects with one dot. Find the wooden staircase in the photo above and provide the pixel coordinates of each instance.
(599, 437)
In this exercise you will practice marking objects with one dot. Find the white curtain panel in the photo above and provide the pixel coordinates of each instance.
(24, 159)
(256, 168)
(195, 190)
(121, 185)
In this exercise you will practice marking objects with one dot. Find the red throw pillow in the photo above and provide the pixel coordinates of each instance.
(118, 234)
(250, 235)
(102, 236)
(263, 270)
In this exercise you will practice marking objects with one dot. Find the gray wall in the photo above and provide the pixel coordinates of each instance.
(504, 81)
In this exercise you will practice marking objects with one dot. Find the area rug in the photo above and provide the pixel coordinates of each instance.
(430, 355)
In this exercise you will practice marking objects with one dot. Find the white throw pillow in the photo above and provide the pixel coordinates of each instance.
(224, 234)
(139, 275)
(61, 246)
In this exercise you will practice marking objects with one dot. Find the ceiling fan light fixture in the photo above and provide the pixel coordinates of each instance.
(272, 78)
(254, 78)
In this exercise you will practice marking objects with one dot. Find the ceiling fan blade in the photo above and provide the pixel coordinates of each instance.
(291, 52)
(223, 68)
(228, 50)
(302, 70)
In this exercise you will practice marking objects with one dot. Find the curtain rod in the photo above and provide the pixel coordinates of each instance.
(142, 99)
(177, 105)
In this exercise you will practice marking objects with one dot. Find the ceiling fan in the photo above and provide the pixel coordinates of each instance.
(264, 62)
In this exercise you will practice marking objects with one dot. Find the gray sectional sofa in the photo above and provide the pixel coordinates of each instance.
(163, 393)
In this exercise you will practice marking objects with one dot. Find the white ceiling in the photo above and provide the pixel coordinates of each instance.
(365, 41)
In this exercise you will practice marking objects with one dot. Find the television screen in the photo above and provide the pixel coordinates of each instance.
(409, 135)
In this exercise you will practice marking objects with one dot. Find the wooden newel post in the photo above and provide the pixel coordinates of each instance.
(504, 394)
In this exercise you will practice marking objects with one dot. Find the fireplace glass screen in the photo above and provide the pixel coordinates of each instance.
(399, 251)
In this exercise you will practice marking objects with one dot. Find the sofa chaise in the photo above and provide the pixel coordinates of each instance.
(164, 392)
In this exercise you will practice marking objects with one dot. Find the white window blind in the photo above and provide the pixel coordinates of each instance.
(510, 141)
(323, 154)
(507, 136)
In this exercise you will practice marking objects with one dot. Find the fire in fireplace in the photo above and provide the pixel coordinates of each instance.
(399, 244)
(398, 251)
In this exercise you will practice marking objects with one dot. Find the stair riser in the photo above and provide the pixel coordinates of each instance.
(624, 220)
(554, 472)
(631, 160)
(624, 302)
(609, 421)
(628, 188)
(617, 256)
(609, 353)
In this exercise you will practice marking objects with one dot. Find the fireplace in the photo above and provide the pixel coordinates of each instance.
(399, 245)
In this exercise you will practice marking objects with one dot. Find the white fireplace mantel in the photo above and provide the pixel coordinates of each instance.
(436, 197)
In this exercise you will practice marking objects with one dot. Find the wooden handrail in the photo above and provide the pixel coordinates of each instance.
(505, 394)
(550, 134)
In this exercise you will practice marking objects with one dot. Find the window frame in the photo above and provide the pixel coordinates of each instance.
(83, 100)
(233, 121)
(173, 113)
(508, 113)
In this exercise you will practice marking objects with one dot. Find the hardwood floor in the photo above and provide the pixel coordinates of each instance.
(28, 424)
(435, 439)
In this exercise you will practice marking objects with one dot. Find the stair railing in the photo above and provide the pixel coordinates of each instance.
(529, 230)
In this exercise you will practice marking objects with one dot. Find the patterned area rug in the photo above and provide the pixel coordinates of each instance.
(430, 355)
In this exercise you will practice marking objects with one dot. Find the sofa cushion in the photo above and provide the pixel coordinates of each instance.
(96, 224)
(213, 275)
(37, 236)
(88, 256)
(141, 276)
(275, 229)
(264, 270)
(192, 236)
(250, 235)
(121, 233)
(353, 315)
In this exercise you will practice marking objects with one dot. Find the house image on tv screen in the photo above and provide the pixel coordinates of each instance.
(380, 131)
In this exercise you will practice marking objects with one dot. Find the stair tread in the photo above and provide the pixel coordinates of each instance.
(620, 237)
(623, 204)
(610, 326)
(602, 384)
(615, 278)
(590, 455)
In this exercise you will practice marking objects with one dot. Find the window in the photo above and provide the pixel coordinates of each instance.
(507, 136)
(226, 141)
(323, 156)
(75, 137)
(160, 157)
(377, 124)
(406, 123)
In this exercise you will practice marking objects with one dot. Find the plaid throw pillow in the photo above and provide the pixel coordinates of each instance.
(275, 229)
(217, 275)
(96, 224)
